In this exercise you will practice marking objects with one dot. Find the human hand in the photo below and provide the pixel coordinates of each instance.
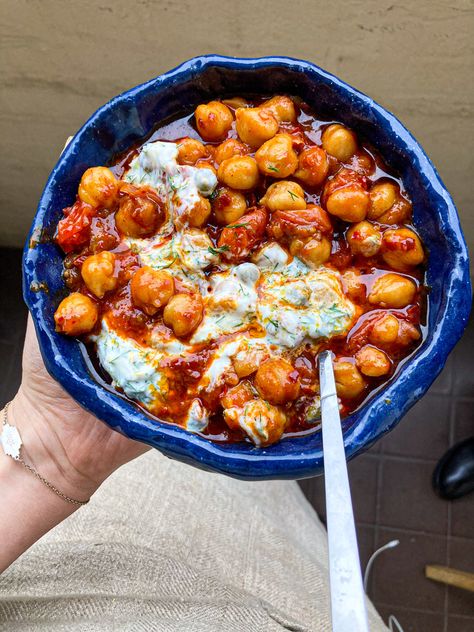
(68, 446)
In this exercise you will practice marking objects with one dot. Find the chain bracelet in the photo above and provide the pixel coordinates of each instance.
(11, 443)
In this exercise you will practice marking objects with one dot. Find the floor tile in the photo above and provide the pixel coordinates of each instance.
(461, 557)
(424, 432)
(463, 383)
(443, 383)
(412, 620)
(407, 500)
(462, 517)
(463, 420)
(363, 482)
(460, 624)
(399, 577)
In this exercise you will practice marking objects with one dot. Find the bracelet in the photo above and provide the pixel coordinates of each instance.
(11, 443)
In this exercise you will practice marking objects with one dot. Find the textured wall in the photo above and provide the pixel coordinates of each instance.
(61, 59)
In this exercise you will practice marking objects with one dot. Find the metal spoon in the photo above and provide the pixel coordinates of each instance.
(348, 611)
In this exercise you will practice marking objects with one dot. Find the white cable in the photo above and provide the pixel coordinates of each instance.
(393, 621)
(390, 545)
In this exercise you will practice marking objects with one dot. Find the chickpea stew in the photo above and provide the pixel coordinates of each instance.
(208, 267)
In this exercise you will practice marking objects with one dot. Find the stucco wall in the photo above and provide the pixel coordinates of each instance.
(62, 59)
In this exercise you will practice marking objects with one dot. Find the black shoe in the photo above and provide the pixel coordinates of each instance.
(453, 477)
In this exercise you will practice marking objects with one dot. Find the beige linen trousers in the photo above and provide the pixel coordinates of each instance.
(163, 546)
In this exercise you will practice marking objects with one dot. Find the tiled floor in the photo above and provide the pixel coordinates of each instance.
(391, 483)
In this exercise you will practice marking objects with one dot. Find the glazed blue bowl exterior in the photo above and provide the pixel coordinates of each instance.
(129, 118)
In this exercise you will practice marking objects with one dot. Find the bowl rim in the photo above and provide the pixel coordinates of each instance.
(396, 397)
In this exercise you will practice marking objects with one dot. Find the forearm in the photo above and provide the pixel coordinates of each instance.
(28, 510)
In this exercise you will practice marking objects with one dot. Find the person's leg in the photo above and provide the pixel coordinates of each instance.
(164, 544)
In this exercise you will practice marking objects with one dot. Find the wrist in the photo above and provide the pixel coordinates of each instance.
(28, 510)
(43, 449)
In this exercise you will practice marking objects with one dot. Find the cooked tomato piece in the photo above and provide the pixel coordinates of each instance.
(300, 223)
(74, 228)
(237, 240)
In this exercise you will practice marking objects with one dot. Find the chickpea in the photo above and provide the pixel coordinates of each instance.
(263, 422)
(139, 215)
(313, 166)
(277, 381)
(339, 141)
(387, 204)
(239, 172)
(314, 251)
(248, 358)
(389, 330)
(228, 206)
(151, 289)
(350, 203)
(190, 151)
(255, 125)
(284, 196)
(183, 313)
(99, 274)
(282, 108)
(213, 120)
(385, 330)
(372, 362)
(392, 290)
(198, 215)
(98, 187)
(349, 381)
(229, 148)
(383, 196)
(364, 239)
(401, 248)
(276, 157)
(76, 314)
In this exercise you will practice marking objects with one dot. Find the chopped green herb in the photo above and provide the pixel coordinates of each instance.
(167, 265)
(293, 195)
(238, 225)
(273, 169)
(214, 194)
(274, 323)
(172, 184)
(219, 250)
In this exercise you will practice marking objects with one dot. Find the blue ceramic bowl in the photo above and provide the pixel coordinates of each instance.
(130, 117)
